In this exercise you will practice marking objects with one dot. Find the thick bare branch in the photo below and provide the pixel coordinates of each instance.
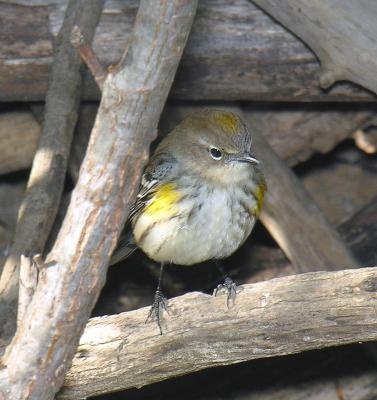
(39, 207)
(235, 52)
(273, 318)
(133, 97)
(341, 32)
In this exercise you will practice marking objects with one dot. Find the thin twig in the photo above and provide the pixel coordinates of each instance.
(88, 56)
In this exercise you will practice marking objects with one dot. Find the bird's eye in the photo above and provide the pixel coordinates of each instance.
(215, 153)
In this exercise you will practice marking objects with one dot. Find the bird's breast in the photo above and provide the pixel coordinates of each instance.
(205, 223)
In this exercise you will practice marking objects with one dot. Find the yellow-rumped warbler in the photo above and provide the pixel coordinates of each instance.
(200, 195)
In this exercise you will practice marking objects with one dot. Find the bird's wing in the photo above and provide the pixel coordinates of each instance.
(161, 168)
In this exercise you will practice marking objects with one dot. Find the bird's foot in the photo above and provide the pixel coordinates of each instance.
(231, 289)
(159, 305)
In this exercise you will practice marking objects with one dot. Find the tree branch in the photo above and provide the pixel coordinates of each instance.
(273, 318)
(343, 40)
(236, 52)
(39, 207)
(88, 56)
(133, 97)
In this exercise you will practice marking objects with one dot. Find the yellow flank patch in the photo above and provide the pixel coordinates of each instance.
(164, 201)
(228, 121)
(259, 194)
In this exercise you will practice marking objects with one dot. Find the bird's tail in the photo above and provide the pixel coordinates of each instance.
(125, 248)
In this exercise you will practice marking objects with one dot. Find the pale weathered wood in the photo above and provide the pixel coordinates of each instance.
(341, 189)
(235, 52)
(341, 32)
(133, 98)
(278, 317)
(19, 134)
(45, 185)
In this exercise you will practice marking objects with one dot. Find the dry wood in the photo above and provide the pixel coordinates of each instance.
(45, 185)
(341, 32)
(278, 317)
(28, 280)
(235, 52)
(341, 188)
(84, 126)
(19, 134)
(88, 56)
(359, 233)
(292, 217)
(45, 342)
(295, 133)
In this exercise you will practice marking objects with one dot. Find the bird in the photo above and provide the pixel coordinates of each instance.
(199, 198)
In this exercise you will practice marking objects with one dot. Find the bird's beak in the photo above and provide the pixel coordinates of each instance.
(247, 158)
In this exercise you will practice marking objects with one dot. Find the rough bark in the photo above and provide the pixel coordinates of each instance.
(341, 32)
(273, 318)
(75, 269)
(39, 207)
(235, 52)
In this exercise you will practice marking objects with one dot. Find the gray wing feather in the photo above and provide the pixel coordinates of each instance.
(161, 168)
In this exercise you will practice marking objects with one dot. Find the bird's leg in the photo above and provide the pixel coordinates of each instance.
(160, 303)
(229, 286)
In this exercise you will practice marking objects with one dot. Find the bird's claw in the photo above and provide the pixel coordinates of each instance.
(159, 305)
(231, 289)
